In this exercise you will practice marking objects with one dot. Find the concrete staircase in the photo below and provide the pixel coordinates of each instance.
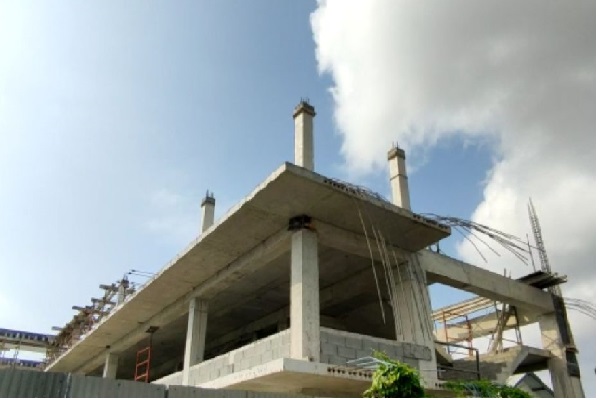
(496, 367)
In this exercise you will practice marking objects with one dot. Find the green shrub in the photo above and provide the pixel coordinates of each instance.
(394, 379)
(484, 388)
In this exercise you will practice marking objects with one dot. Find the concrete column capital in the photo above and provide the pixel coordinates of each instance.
(300, 222)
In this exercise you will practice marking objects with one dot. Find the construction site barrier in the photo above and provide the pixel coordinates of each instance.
(23, 383)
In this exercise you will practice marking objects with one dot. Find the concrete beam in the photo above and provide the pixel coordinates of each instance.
(449, 271)
(263, 253)
(460, 309)
(346, 241)
(346, 288)
(445, 270)
(482, 326)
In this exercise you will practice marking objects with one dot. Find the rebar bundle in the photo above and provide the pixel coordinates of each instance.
(585, 307)
(472, 231)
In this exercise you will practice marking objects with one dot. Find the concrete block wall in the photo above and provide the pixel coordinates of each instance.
(339, 347)
(256, 353)
(173, 379)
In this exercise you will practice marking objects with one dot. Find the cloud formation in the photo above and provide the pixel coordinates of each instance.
(518, 74)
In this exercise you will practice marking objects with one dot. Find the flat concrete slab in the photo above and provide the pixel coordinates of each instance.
(290, 191)
(535, 360)
(298, 376)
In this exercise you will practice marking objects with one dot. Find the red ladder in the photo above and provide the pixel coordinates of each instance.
(142, 364)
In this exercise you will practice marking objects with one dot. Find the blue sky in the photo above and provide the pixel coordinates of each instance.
(115, 118)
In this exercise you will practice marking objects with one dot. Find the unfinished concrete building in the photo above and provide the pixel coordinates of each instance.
(306, 275)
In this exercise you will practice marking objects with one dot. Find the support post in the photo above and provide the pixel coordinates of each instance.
(196, 336)
(111, 364)
(303, 135)
(208, 211)
(563, 366)
(413, 317)
(122, 290)
(398, 178)
(304, 292)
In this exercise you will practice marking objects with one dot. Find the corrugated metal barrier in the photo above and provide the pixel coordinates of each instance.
(93, 386)
(23, 383)
(189, 392)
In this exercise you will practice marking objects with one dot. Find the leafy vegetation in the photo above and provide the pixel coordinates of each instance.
(484, 388)
(395, 379)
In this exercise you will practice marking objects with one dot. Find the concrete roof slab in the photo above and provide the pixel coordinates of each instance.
(288, 192)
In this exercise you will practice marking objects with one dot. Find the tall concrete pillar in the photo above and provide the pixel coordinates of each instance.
(111, 364)
(303, 135)
(413, 315)
(398, 178)
(208, 211)
(195, 339)
(122, 290)
(563, 366)
(304, 296)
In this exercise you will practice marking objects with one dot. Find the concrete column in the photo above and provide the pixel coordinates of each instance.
(121, 290)
(304, 296)
(110, 366)
(413, 314)
(398, 178)
(566, 381)
(195, 339)
(303, 135)
(208, 211)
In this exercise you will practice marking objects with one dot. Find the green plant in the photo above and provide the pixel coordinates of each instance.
(484, 388)
(394, 379)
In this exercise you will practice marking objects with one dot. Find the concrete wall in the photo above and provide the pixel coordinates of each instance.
(173, 379)
(339, 347)
(262, 351)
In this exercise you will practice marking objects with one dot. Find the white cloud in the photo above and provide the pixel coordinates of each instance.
(521, 73)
